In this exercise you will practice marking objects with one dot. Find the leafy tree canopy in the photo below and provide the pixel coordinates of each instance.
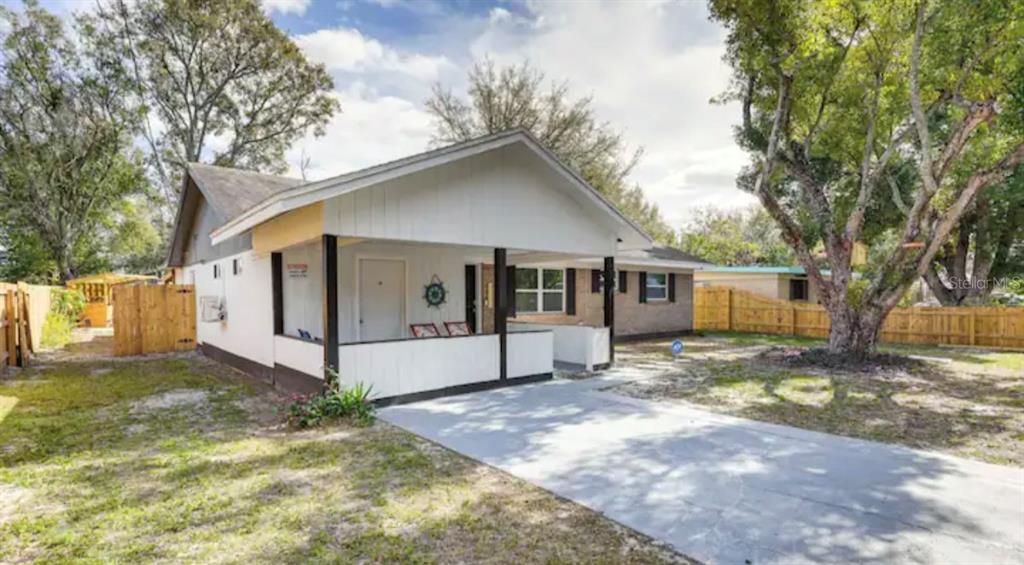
(735, 237)
(65, 151)
(206, 70)
(874, 120)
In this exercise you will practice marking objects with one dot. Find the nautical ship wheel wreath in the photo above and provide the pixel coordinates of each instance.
(435, 293)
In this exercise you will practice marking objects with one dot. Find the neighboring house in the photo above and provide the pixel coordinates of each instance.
(783, 283)
(653, 297)
(293, 277)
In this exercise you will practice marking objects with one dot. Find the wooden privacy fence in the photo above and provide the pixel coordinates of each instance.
(154, 318)
(23, 309)
(728, 309)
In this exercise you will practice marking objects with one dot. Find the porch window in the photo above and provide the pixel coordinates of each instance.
(539, 290)
(657, 286)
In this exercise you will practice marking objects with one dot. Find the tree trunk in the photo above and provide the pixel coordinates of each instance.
(853, 333)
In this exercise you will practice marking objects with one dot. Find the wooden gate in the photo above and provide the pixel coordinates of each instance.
(154, 319)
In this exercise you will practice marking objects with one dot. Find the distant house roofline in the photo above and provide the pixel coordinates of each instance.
(767, 270)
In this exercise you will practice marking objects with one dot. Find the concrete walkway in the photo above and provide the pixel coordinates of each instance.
(733, 491)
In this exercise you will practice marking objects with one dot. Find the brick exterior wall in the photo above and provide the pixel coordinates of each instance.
(631, 316)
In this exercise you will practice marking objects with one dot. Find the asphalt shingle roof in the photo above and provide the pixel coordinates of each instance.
(233, 191)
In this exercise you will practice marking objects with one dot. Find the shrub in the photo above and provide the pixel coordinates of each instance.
(65, 307)
(334, 403)
(67, 302)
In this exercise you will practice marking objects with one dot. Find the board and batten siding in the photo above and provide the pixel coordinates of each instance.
(302, 289)
(198, 246)
(503, 198)
(422, 262)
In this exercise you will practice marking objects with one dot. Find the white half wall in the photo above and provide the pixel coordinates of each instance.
(248, 330)
(301, 355)
(395, 368)
(580, 345)
(530, 353)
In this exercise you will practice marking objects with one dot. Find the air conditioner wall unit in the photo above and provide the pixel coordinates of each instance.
(212, 309)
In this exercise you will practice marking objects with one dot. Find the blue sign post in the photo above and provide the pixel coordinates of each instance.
(677, 348)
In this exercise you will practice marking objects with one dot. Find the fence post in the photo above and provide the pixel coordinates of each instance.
(728, 309)
(970, 325)
(12, 340)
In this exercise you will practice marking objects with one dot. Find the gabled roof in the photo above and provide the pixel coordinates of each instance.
(229, 192)
(232, 192)
(291, 198)
(663, 253)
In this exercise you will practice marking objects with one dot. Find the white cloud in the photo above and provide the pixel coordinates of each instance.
(297, 7)
(651, 68)
(345, 49)
(371, 129)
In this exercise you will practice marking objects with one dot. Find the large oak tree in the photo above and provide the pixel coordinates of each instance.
(217, 80)
(846, 104)
(66, 164)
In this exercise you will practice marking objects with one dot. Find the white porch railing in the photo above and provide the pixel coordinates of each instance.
(409, 366)
(579, 345)
(530, 353)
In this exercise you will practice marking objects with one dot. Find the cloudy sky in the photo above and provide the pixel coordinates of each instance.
(651, 66)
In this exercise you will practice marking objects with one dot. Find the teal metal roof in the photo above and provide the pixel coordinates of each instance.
(764, 270)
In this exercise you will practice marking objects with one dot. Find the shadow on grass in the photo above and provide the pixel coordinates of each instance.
(201, 482)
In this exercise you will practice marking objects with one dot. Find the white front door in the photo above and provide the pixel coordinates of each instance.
(381, 299)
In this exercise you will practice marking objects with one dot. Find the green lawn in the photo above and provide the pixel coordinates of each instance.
(967, 402)
(183, 460)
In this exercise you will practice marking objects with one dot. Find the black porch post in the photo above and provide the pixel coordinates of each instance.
(329, 253)
(609, 305)
(277, 286)
(501, 308)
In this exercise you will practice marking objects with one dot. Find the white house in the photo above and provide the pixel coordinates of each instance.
(295, 277)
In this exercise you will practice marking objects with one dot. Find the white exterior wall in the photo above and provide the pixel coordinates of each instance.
(303, 356)
(403, 367)
(303, 295)
(530, 353)
(580, 345)
(503, 198)
(248, 330)
(422, 262)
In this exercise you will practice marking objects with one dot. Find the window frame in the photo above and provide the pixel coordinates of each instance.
(540, 291)
(647, 291)
(216, 270)
(236, 267)
(804, 284)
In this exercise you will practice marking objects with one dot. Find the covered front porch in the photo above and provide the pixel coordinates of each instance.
(353, 257)
(373, 294)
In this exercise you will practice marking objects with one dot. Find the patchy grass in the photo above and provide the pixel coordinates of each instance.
(182, 460)
(966, 402)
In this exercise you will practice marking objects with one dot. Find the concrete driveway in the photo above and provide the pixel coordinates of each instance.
(727, 490)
